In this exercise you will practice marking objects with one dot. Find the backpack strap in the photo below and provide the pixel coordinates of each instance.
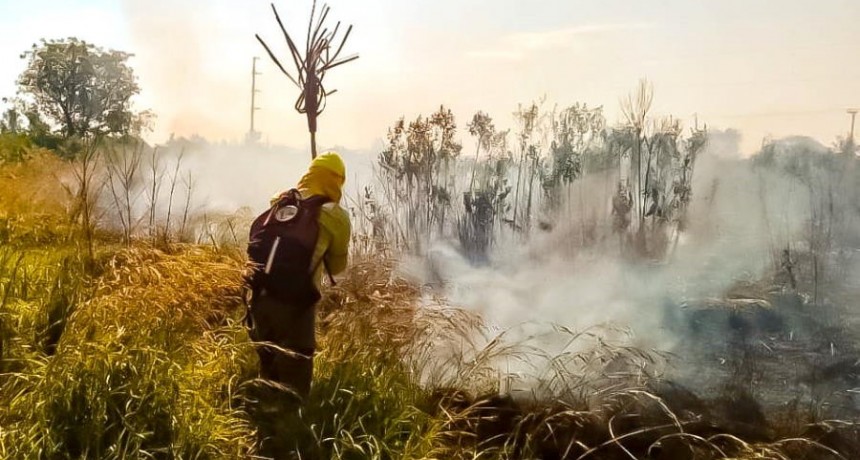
(328, 272)
(320, 200)
(315, 200)
(292, 194)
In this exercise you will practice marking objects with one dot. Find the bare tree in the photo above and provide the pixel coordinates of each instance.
(188, 181)
(312, 65)
(635, 109)
(86, 152)
(173, 179)
(123, 167)
(156, 173)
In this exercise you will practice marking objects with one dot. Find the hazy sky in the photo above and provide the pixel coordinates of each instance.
(764, 67)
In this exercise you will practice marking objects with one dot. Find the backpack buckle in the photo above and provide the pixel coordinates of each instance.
(286, 213)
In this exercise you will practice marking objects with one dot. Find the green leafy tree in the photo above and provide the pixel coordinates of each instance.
(14, 143)
(575, 130)
(482, 127)
(81, 90)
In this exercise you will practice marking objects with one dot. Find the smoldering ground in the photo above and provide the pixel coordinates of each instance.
(751, 220)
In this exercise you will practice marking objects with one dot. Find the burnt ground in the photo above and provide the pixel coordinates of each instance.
(751, 373)
(795, 361)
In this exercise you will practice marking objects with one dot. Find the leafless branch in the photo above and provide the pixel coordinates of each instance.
(312, 66)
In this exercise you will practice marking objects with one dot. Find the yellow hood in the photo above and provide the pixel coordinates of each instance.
(326, 176)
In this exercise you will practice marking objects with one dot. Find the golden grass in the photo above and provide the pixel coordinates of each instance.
(145, 294)
(33, 201)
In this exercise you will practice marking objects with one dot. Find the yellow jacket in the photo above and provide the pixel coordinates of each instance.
(326, 176)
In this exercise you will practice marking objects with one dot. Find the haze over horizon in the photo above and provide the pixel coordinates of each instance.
(764, 70)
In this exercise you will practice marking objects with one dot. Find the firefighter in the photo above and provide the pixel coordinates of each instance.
(289, 324)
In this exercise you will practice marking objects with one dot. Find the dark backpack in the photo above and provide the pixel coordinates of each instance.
(281, 249)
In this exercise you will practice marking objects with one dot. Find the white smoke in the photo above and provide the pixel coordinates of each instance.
(228, 178)
(740, 219)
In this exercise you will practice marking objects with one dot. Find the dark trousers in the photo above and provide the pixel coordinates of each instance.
(290, 328)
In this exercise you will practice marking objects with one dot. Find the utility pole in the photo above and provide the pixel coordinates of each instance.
(253, 135)
(853, 113)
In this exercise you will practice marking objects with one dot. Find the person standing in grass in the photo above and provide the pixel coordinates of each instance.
(303, 236)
